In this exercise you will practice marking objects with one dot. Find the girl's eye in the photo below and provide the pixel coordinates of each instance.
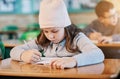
(55, 31)
(45, 31)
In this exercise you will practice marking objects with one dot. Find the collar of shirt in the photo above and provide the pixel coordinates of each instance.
(62, 43)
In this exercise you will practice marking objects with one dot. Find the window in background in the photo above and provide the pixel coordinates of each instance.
(80, 5)
(32, 6)
(7, 5)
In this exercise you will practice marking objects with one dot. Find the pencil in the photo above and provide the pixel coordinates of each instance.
(41, 50)
(26, 43)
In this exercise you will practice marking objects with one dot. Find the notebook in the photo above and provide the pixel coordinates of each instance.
(45, 60)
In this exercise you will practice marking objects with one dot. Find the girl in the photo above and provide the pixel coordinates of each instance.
(59, 38)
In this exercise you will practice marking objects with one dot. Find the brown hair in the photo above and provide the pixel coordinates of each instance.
(70, 32)
(102, 7)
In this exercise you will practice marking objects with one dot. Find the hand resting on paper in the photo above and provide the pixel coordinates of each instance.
(62, 63)
(58, 63)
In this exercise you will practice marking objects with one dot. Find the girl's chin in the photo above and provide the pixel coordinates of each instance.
(55, 42)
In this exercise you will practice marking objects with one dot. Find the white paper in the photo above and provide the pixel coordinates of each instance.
(45, 60)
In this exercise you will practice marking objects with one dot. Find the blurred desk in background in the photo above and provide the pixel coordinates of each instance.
(108, 45)
(108, 69)
(12, 43)
(111, 50)
(9, 44)
(6, 35)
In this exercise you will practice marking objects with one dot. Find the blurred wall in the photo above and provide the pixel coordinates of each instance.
(116, 4)
(23, 20)
(19, 20)
(86, 17)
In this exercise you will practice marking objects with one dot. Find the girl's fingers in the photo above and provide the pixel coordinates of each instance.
(38, 54)
(62, 67)
(56, 64)
(64, 63)
(52, 63)
(35, 58)
(59, 65)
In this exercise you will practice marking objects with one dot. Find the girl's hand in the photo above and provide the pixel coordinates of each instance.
(61, 63)
(31, 56)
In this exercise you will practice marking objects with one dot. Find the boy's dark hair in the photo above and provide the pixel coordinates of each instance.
(70, 32)
(102, 7)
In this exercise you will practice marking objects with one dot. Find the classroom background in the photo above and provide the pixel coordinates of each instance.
(19, 18)
(22, 15)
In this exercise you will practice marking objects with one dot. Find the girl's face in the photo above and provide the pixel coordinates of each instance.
(55, 35)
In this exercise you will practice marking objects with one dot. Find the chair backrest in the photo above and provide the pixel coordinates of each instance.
(33, 30)
(29, 35)
(33, 27)
(10, 28)
(10, 31)
(2, 50)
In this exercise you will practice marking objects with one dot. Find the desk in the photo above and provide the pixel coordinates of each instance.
(108, 45)
(10, 34)
(108, 69)
(12, 43)
(9, 44)
(111, 50)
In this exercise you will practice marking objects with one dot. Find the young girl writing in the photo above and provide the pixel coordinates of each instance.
(59, 38)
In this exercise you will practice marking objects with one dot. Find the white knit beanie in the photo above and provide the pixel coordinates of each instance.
(53, 13)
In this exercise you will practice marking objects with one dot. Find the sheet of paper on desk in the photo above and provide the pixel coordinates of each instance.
(45, 60)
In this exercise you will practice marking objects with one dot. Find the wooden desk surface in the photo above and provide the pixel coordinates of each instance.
(108, 45)
(108, 69)
(10, 45)
(13, 43)
(111, 44)
(111, 50)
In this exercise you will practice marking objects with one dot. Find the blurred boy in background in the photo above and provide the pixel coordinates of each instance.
(107, 27)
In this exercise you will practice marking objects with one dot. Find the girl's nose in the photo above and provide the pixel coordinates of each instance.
(51, 36)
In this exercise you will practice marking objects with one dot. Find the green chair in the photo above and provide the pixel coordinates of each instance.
(29, 35)
(10, 28)
(33, 30)
(2, 50)
(11, 31)
(33, 26)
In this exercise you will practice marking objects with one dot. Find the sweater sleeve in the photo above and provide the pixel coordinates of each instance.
(90, 53)
(16, 52)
